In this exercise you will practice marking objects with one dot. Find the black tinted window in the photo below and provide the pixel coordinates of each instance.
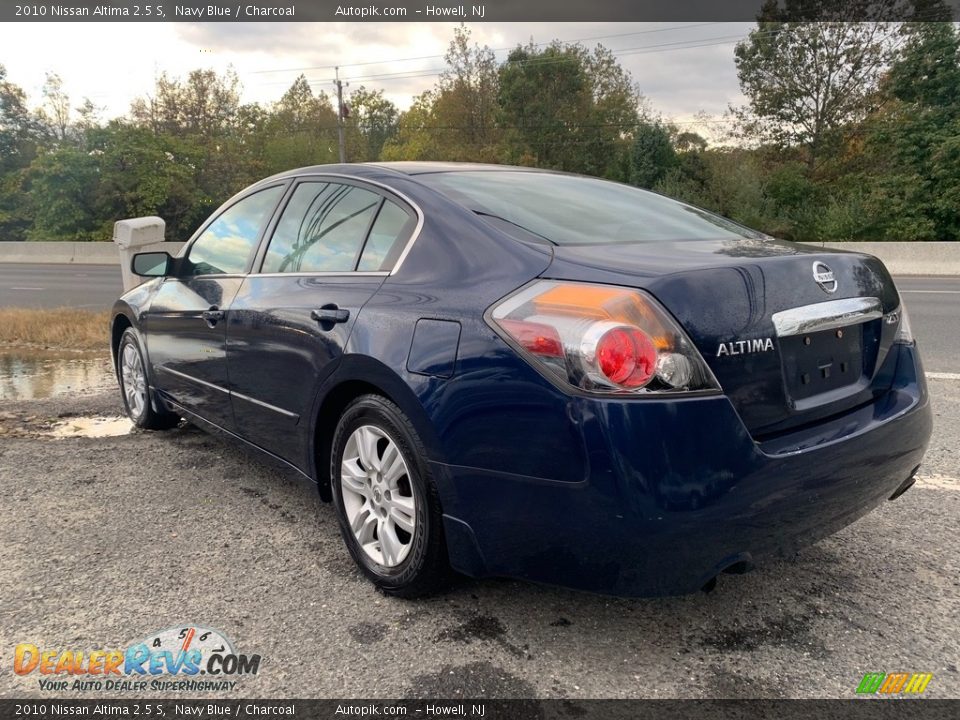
(227, 244)
(322, 229)
(571, 210)
(391, 228)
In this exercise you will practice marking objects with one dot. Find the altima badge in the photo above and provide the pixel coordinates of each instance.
(744, 347)
(824, 277)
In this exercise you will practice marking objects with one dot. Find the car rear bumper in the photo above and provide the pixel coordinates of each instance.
(677, 491)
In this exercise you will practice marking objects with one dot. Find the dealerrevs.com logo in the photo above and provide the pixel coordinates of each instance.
(183, 658)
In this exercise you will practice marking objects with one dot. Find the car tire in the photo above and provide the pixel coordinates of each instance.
(135, 387)
(386, 500)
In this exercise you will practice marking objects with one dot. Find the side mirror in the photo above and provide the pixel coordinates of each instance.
(151, 264)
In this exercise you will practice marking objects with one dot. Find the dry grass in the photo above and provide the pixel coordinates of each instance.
(62, 329)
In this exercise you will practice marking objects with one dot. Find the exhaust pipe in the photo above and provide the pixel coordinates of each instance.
(905, 485)
(738, 567)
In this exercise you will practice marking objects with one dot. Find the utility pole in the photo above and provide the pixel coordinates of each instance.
(343, 146)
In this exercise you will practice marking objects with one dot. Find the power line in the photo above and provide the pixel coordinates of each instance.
(495, 50)
(640, 50)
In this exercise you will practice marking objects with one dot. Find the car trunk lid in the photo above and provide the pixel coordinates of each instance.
(794, 334)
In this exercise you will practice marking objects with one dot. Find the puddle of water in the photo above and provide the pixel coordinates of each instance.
(92, 427)
(42, 375)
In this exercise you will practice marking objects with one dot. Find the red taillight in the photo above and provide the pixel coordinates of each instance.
(538, 338)
(601, 338)
(627, 357)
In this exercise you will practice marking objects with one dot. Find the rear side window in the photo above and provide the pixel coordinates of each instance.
(226, 245)
(385, 242)
(574, 210)
(322, 229)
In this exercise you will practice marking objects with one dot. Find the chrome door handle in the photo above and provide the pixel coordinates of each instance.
(212, 316)
(330, 314)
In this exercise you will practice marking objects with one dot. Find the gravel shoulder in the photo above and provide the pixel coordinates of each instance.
(105, 540)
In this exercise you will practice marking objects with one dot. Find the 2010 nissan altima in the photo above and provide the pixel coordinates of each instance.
(514, 372)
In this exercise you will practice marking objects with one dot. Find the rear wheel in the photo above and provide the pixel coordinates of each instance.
(135, 389)
(386, 501)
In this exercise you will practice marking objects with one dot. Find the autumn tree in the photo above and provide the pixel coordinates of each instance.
(372, 121)
(805, 81)
(457, 119)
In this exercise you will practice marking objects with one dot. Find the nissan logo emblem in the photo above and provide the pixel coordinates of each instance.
(823, 276)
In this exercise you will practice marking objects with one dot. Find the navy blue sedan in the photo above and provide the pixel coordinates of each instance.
(513, 372)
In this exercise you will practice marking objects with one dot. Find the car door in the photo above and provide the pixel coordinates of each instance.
(186, 321)
(329, 250)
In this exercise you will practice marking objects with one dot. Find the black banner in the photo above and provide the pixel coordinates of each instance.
(480, 709)
(466, 11)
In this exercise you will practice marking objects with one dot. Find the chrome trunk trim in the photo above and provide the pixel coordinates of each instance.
(826, 315)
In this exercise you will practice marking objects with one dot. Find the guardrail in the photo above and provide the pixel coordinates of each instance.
(901, 258)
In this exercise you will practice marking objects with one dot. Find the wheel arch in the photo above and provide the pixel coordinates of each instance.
(122, 319)
(361, 375)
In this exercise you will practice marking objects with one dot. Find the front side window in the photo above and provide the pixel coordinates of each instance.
(226, 245)
(322, 229)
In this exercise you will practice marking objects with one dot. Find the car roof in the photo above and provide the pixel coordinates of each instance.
(409, 168)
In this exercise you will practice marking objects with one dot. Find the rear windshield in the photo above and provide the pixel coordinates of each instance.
(571, 210)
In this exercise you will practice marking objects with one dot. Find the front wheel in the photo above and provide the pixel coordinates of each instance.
(132, 374)
(386, 501)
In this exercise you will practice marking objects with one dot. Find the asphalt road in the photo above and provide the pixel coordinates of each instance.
(933, 302)
(51, 286)
(934, 307)
(103, 541)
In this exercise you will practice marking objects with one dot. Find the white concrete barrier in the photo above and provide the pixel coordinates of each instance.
(908, 258)
(901, 258)
(81, 253)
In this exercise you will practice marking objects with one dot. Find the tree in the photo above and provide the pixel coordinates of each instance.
(140, 173)
(371, 123)
(300, 129)
(63, 186)
(20, 134)
(805, 81)
(205, 105)
(652, 156)
(545, 102)
(565, 107)
(913, 140)
(56, 107)
(19, 130)
(457, 119)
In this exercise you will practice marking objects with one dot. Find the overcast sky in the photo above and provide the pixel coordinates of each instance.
(683, 69)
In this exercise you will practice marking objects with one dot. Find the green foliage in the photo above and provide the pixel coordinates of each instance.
(652, 156)
(62, 195)
(567, 108)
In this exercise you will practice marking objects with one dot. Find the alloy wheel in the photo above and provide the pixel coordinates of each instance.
(134, 380)
(378, 496)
